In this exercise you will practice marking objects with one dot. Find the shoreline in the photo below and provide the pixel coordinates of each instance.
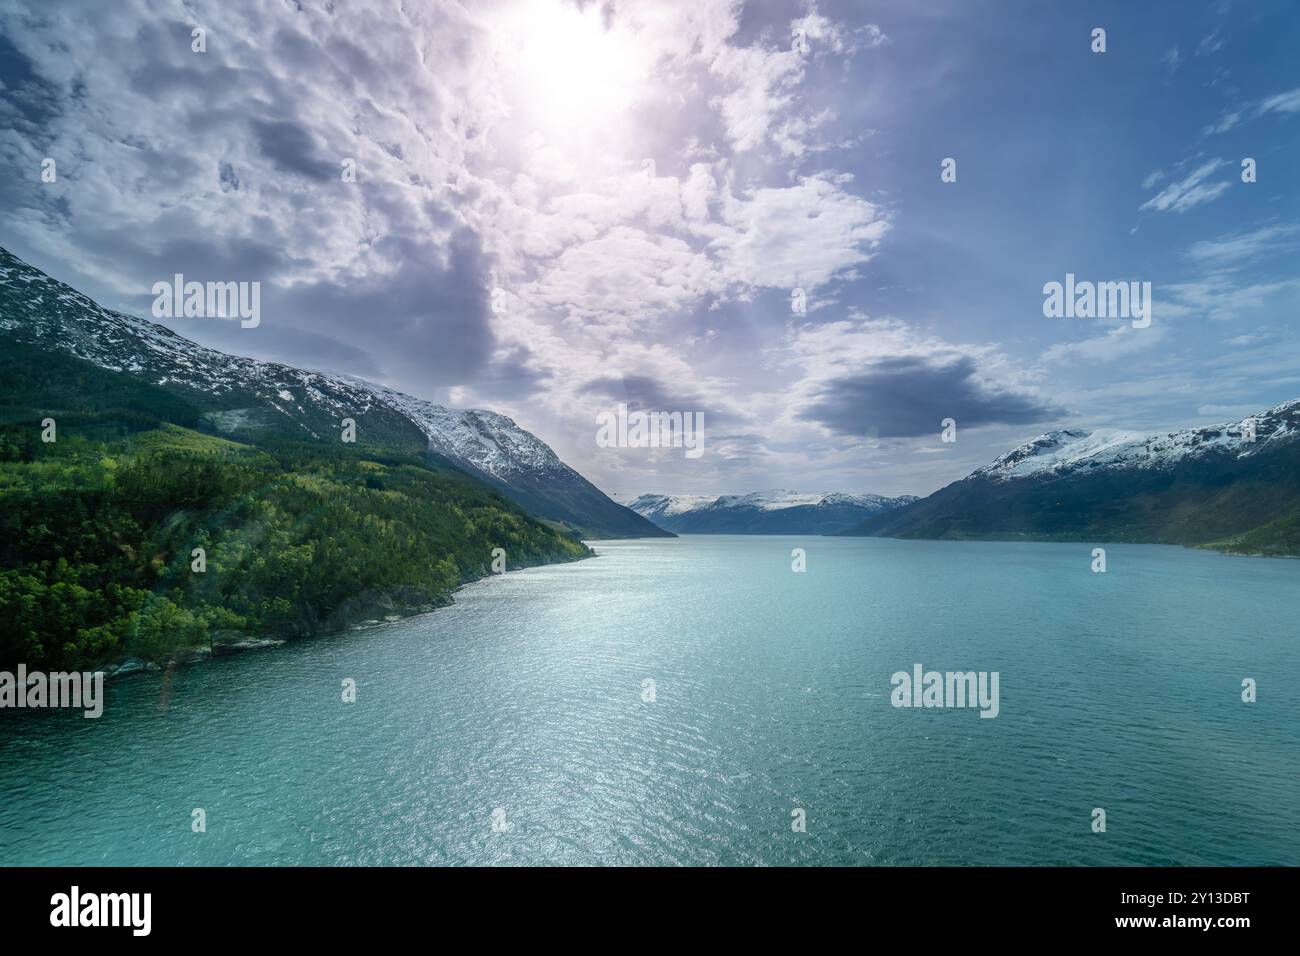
(131, 666)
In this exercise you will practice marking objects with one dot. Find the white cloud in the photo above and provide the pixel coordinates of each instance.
(1288, 102)
(759, 86)
(1210, 43)
(1190, 191)
(801, 235)
(1267, 240)
(1220, 296)
(1117, 343)
(1224, 123)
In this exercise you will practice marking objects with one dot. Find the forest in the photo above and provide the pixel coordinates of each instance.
(130, 534)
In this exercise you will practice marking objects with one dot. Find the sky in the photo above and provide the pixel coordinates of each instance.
(560, 207)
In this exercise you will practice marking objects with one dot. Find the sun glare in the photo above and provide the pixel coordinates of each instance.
(567, 74)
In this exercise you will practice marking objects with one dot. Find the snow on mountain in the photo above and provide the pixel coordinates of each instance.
(770, 512)
(67, 319)
(244, 397)
(490, 442)
(1068, 452)
(780, 498)
(42, 310)
(670, 505)
(1213, 486)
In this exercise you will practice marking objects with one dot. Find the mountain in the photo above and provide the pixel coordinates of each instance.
(243, 399)
(1215, 486)
(496, 450)
(130, 538)
(771, 512)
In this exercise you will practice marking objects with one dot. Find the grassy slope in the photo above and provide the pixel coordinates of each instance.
(1276, 539)
(97, 528)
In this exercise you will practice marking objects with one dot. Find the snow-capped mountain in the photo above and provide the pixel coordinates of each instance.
(245, 399)
(495, 449)
(766, 512)
(1063, 453)
(490, 442)
(1234, 485)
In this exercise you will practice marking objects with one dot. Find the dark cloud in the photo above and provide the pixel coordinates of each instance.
(29, 102)
(227, 177)
(131, 254)
(293, 149)
(638, 391)
(906, 397)
(646, 393)
(425, 319)
(279, 342)
(512, 375)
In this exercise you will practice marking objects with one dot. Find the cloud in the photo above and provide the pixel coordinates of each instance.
(1210, 43)
(636, 188)
(432, 303)
(759, 83)
(909, 396)
(1266, 240)
(1222, 297)
(292, 149)
(225, 166)
(1190, 191)
(30, 101)
(1224, 123)
(1117, 343)
(284, 344)
(1285, 102)
(1288, 102)
(760, 79)
(1252, 338)
(642, 392)
(801, 235)
(877, 378)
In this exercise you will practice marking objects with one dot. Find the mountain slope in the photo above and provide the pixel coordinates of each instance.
(772, 512)
(246, 400)
(98, 527)
(1199, 486)
(496, 450)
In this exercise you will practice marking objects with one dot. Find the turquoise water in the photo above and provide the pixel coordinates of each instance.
(772, 692)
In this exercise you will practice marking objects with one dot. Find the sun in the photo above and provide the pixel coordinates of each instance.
(567, 73)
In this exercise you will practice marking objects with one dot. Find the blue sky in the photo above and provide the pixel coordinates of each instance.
(562, 207)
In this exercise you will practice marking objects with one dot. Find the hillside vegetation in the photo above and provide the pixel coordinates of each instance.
(97, 528)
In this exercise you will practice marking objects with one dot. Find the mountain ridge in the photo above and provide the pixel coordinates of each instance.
(1233, 486)
(243, 397)
(766, 512)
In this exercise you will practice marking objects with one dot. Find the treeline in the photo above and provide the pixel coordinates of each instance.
(98, 533)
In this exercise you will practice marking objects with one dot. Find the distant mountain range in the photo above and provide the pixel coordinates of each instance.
(770, 512)
(242, 399)
(1233, 486)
